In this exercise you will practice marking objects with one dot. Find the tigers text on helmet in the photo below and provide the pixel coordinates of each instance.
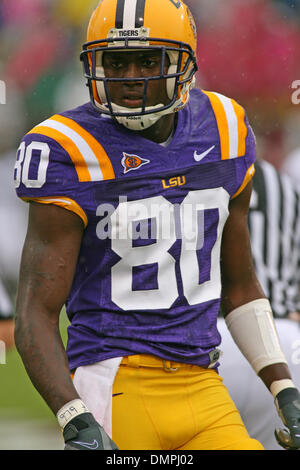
(166, 26)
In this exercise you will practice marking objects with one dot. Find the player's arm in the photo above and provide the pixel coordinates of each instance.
(48, 265)
(47, 268)
(248, 313)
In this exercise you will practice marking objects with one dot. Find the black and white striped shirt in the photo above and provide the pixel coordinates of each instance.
(6, 308)
(274, 225)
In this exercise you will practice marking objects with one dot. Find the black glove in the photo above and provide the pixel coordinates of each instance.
(288, 406)
(84, 433)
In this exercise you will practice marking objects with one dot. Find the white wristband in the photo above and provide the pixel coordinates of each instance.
(70, 410)
(279, 385)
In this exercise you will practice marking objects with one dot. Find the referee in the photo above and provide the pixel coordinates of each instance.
(6, 318)
(274, 226)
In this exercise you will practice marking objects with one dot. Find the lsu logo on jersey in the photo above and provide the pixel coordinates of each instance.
(133, 162)
(173, 182)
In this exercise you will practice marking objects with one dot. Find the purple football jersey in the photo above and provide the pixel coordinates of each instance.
(148, 275)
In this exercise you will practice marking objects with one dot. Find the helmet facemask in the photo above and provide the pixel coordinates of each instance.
(179, 78)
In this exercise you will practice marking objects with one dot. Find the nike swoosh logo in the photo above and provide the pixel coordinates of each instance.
(89, 445)
(116, 394)
(199, 156)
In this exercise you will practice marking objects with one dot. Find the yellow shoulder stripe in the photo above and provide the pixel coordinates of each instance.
(242, 128)
(102, 157)
(90, 160)
(69, 146)
(230, 117)
(221, 123)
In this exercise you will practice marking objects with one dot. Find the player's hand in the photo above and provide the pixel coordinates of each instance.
(288, 406)
(84, 433)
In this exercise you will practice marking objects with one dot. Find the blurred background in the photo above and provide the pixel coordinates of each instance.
(247, 49)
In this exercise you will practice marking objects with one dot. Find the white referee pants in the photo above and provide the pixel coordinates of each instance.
(254, 402)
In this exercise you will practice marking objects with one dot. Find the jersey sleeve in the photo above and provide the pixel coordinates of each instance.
(44, 173)
(55, 163)
(236, 138)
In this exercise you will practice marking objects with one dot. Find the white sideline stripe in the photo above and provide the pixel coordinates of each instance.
(129, 14)
(5, 304)
(83, 147)
(232, 125)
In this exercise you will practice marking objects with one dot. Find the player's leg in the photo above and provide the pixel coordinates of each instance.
(132, 426)
(224, 428)
(225, 437)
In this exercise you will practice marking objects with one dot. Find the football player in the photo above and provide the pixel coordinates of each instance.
(138, 223)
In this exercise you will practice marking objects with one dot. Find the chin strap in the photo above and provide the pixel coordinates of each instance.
(140, 123)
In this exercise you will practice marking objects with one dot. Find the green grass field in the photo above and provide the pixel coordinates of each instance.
(21, 405)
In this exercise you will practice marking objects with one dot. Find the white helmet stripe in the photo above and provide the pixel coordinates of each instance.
(129, 14)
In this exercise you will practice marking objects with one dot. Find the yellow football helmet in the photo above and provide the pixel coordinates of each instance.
(133, 25)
